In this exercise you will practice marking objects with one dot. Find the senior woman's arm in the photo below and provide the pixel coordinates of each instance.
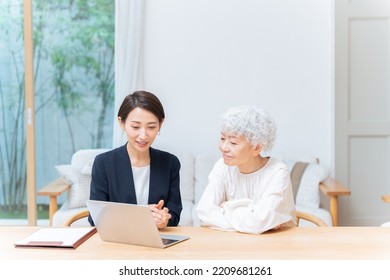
(209, 209)
(274, 208)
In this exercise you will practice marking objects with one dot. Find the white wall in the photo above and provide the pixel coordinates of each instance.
(204, 56)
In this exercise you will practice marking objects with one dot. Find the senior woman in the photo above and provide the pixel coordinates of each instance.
(247, 192)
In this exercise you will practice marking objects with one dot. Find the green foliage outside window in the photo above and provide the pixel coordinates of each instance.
(74, 76)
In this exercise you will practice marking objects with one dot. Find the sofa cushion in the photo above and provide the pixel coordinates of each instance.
(79, 184)
(186, 213)
(308, 179)
(204, 163)
(195, 218)
(83, 159)
(78, 176)
(187, 175)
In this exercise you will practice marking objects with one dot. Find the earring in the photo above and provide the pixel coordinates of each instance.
(158, 132)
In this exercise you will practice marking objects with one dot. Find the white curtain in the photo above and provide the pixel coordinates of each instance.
(129, 21)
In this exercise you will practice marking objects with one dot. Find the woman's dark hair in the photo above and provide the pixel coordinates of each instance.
(144, 100)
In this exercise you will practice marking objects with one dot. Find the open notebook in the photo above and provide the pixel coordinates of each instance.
(129, 224)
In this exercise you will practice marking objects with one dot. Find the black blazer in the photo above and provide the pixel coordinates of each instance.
(112, 180)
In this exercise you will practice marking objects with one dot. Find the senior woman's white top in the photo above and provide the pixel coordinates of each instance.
(254, 203)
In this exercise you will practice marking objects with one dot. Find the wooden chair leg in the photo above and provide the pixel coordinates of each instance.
(52, 208)
(334, 210)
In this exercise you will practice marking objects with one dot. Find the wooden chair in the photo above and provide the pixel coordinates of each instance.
(311, 218)
(76, 217)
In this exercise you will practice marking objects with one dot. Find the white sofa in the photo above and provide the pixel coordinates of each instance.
(76, 176)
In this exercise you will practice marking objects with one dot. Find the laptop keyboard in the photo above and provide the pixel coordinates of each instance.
(167, 241)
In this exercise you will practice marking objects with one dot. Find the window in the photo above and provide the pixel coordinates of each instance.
(73, 85)
(12, 106)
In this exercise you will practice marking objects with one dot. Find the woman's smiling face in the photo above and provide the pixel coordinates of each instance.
(236, 149)
(141, 127)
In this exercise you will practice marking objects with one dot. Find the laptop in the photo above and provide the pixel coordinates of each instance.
(129, 224)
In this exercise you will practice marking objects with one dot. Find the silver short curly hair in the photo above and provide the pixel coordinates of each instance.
(253, 123)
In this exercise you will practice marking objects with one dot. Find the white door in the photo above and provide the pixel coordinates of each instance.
(363, 109)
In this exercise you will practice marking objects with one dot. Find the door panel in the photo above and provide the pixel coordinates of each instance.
(368, 177)
(362, 109)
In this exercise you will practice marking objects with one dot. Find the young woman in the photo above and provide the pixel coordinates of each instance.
(246, 191)
(136, 173)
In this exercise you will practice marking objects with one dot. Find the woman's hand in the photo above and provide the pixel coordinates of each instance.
(160, 214)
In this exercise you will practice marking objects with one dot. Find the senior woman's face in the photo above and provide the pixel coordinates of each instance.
(236, 149)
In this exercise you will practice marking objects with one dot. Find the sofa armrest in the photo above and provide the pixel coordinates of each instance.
(53, 190)
(332, 188)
